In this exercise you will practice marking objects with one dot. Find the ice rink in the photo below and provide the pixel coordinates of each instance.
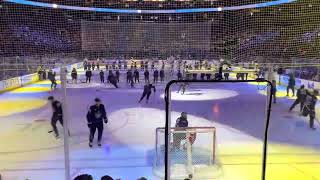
(237, 111)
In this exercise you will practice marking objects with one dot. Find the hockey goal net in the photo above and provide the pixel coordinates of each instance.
(191, 152)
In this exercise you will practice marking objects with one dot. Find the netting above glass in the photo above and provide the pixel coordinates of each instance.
(277, 32)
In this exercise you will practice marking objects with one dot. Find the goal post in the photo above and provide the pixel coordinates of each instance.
(191, 151)
(211, 171)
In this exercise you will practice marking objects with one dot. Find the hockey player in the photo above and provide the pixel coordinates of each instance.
(56, 115)
(96, 116)
(141, 65)
(112, 79)
(85, 65)
(74, 75)
(98, 64)
(125, 65)
(301, 98)
(202, 75)
(93, 65)
(226, 75)
(118, 75)
(155, 76)
(152, 65)
(161, 75)
(208, 76)
(274, 91)
(179, 75)
(194, 76)
(181, 125)
(110, 75)
(129, 76)
(147, 91)
(88, 75)
(183, 87)
(101, 74)
(291, 84)
(136, 76)
(107, 66)
(309, 107)
(114, 65)
(89, 66)
(146, 75)
(52, 78)
(119, 64)
(44, 74)
(220, 73)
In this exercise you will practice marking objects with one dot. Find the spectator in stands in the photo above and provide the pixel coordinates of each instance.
(84, 177)
(291, 84)
(106, 177)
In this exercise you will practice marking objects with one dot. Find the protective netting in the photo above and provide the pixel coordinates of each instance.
(191, 152)
(170, 35)
(250, 30)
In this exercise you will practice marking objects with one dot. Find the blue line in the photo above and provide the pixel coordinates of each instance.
(136, 11)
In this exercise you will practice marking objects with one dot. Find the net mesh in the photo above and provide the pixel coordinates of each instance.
(236, 31)
(36, 37)
(191, 152)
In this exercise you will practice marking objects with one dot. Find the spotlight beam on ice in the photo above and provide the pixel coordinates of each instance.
(138, 11)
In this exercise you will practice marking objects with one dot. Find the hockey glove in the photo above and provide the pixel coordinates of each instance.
(106, 120)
